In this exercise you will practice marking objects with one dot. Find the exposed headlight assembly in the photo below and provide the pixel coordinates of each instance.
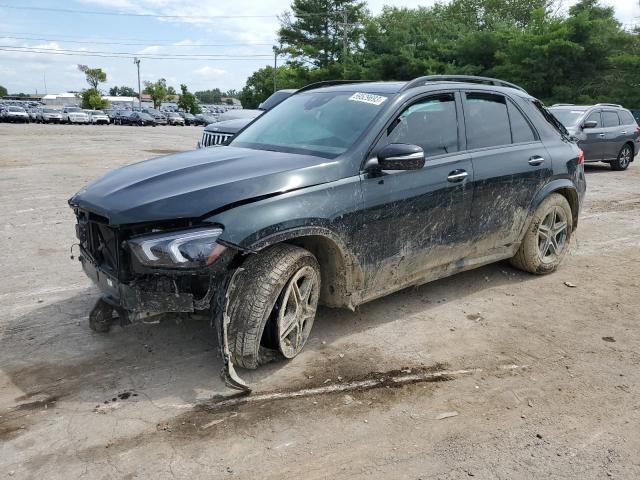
(195, 248)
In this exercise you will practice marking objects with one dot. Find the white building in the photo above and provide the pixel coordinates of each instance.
(121, 102)
(61, 99)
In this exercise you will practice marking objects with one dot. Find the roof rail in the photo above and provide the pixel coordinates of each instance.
(563, 105)
(420, 81)
(608, 105)
(329, 83)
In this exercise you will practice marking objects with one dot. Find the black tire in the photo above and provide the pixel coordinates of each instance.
(529, 256)
(101, 317)
(258, 288)
(624, 158)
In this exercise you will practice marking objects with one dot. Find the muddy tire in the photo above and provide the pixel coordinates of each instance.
(273, 305)
(101, 317)
(547, 239)
(624, 158)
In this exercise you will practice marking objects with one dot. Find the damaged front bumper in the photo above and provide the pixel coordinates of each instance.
(133, 303)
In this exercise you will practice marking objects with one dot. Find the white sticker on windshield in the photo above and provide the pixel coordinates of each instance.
(368, 98)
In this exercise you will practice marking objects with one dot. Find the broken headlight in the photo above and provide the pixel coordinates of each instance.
(195, 248)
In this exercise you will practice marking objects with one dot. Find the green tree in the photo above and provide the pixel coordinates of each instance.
(94, 76)
(314, 31)
(91, 99)
(171, 91)
(123, 92)
(211, 97)
(3, 91)
(188, 101)
(157, 90)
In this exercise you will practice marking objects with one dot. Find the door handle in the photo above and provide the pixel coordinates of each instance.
(624, 133)
(535, 161)
(601, 135)
(457, 176)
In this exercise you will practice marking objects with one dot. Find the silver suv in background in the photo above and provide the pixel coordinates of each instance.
(606, 132)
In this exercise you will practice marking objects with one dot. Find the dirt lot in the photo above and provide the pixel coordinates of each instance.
(541, 380)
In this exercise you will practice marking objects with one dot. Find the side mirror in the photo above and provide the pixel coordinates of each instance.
(590, 124)
(400, 156)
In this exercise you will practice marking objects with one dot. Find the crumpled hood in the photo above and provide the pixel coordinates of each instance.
(192, 184)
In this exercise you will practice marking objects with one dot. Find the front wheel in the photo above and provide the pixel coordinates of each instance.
(624, 158)
(273, 305)
(547, 239)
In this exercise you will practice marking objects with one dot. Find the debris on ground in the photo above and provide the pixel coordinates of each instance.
(444, 415)
(570, 285)
(609, 339)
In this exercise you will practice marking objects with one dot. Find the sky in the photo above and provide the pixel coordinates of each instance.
(246, 42)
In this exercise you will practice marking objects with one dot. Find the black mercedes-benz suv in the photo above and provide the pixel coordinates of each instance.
(343, 193)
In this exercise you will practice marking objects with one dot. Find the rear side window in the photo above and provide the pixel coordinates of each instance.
(626, 118)
(431, 123)
(610, 119)
(487, 120)
(521, 130)
(594, 117)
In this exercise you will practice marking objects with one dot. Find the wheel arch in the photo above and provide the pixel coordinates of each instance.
(566, 189)
(341, 274)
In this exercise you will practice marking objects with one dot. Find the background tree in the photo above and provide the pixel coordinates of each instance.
(314, 30)
(210, 97)
(171, 91)
(3, 91)
(157, 90)
(123, 92)
(92, 100)
(188, 101)
(94, 76)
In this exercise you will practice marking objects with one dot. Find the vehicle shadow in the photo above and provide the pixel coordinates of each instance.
(591, 168)
(51, 351)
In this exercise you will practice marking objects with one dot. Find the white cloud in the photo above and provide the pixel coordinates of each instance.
(210, 72)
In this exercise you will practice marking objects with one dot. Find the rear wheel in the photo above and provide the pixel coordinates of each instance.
(624, 158)
(547, 239)
(273, 305)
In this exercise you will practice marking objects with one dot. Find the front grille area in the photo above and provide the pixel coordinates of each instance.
(209, 139)
(99, 240)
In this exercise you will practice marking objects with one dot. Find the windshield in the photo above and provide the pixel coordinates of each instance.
(73, 109)
(96, 112)
(16, 109)
(49, 110)
(568, 117)
(326, 124)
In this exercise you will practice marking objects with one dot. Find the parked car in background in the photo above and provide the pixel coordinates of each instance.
(189, 119)
(222, 131)
(606, 132)
(74, 115)
(205, 119)
(158, 116)
(98, 117)
(121, 117)
(141, 119)
(33, 114)
(636, 114)
(173, 118)
(49, 115)
(15, 114)
(344, 193)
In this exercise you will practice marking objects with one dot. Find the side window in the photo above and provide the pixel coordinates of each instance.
(610, 119)
(626, 118)
(487, 120)
(594, 117)
(521, 130)
(431, 123)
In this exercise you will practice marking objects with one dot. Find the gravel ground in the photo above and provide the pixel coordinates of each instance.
(545, 378)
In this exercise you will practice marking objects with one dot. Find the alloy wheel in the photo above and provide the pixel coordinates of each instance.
(552, 235)
(625, 157)
(297, 311)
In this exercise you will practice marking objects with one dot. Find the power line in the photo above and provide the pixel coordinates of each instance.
(133, 54)
(140, 44)
(79, 53)
(153, 15)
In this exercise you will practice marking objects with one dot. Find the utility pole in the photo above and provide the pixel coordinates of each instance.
(136, 60)
(44, 79)
(275, 68)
